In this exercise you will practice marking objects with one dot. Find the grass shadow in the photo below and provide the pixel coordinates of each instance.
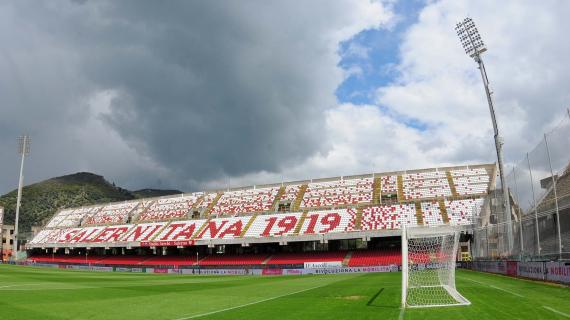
(371, 302)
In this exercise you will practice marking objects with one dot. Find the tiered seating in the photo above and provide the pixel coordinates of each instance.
(388, 217)
(71, 217)
(379, 217)
(336, 193)
(358, 258)
(94, 259)
(82, 259)
(426, 185)
(245, 201)
(62, 258)
(226, 228)
(41, 236)
(461, 212)
(325, 207)
(291, 192)
(169, 208)
(122, 260)
(469, 172)
(58, 218)
(169, 261)
(233, 260)
(40, 258)
(389, 184)
(300, 258)
(423, 257)
(315, 222)
(432, 213)
(111, 214)
(274, 225)
(207, 200)
(366, 258)
(471, 189)
(326, 221)
(48, 236)
(471, 181)
(472, 185)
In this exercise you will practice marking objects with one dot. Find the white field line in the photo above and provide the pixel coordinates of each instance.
(401, 316)
(507, 291)
(556, 311)
(82, 287)
(20, 285)
(494, 287)
(481, 283)
(247, 304)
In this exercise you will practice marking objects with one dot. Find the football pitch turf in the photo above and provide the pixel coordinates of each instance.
(41, 293)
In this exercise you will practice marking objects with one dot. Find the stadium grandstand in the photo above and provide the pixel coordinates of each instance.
(350, 221)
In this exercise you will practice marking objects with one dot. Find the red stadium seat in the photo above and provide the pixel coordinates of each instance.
(233, 260)
(300, 258)
(375, 258)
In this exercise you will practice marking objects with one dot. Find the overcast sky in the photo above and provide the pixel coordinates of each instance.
(193, 94)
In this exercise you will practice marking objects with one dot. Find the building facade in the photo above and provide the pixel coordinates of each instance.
(7, 236)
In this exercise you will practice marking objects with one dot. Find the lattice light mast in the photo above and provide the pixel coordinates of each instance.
(24, 150)
(474, 47)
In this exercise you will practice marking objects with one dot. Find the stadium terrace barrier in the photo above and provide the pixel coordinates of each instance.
(531, 270)
(392, 268)
(554, 271)
(232, 272)
(558, 272)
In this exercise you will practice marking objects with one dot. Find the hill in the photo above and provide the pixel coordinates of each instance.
(41, 200)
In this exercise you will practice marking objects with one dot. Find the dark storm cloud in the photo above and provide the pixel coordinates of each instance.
(200, 88)
(204, 89)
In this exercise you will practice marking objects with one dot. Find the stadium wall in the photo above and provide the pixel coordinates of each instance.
(222, 271)
(552, 271)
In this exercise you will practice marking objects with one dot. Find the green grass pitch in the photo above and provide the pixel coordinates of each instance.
(40, 293)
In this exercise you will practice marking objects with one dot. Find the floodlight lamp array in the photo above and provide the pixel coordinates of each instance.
(470, 38)
(24, 144)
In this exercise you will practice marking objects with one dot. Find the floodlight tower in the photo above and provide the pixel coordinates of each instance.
(474, 47)
(24, 149)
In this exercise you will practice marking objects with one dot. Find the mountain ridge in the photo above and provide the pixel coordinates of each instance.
(43, 199)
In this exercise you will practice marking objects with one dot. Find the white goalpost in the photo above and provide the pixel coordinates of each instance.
(428, 267)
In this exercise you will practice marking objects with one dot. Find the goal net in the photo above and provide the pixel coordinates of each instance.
(428, 267)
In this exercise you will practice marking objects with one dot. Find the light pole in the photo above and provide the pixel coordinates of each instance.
(474, 47)
(1, 234)
(24, 149)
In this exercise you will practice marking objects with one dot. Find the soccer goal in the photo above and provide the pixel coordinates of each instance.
(428, 267)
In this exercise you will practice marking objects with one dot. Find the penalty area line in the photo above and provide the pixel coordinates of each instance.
(248, 304)
(556, 311)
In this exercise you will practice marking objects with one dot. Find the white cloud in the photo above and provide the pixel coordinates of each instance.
(440, 86)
